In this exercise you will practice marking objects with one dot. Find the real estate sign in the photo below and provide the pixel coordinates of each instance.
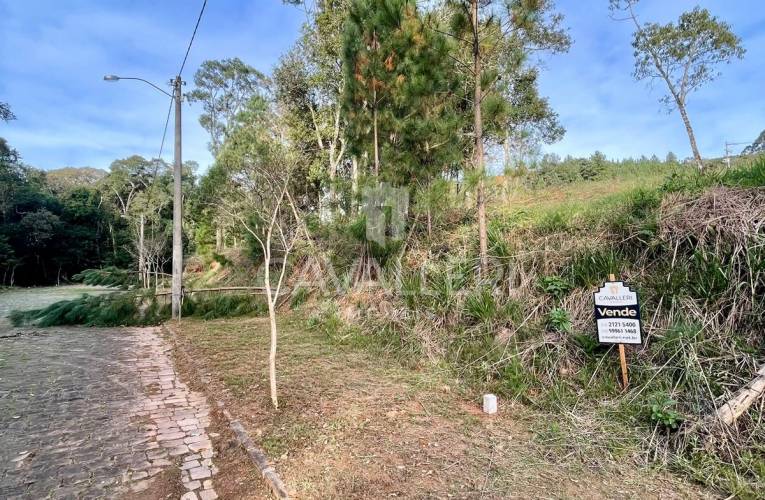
(617, 314)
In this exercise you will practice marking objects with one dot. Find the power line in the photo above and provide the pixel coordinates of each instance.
(172, 100)
(164, 132)
(194, 34)
(161, 148)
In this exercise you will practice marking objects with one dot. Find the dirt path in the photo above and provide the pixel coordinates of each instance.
(96, 412)
(353, 424)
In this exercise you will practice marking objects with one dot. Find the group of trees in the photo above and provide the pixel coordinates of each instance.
(372, 91)
(55, 224)
(48, 233)
(408, 93)
(383, 91)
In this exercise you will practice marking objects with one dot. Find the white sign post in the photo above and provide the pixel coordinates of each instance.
(617, 316)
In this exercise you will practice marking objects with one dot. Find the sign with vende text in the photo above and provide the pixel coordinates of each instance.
(617, 314)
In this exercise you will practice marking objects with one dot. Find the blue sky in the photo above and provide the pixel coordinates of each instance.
(54, 54)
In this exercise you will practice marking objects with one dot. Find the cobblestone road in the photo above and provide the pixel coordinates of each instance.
(90, 413)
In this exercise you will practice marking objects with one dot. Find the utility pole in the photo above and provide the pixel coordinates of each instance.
(177, 96)
(177, 286)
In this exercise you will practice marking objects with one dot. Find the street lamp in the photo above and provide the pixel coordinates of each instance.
(177, 194)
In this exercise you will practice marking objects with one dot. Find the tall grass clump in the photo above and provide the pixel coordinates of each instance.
(115, 309)
(225, 306)
(108, 276)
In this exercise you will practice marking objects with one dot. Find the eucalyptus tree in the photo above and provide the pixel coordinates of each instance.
(140, 191)
(529, 119)
(488, 33)
(684, 55)
(308, 84)
(6, 114)
(224, 87)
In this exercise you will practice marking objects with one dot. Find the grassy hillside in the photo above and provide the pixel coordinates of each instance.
(692, 244)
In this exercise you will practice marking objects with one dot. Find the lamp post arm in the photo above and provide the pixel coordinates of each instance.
(168, 94)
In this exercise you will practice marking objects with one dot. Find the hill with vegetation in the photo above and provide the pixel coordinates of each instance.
(690, 243)
(352, 185)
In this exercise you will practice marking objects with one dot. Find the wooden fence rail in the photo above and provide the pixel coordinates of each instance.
(251, 289)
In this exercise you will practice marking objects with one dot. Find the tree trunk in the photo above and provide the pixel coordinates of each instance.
(141, 251)
(691, 136)
(272, 319)
(218, 239)
(354, 184)
(114, 242)
(377, 152)
(478, 126)
(506, 146)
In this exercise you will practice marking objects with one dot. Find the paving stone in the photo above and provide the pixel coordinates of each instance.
(100, 411)
(189, 495)
(171, 436)
(193, 464)
(139, 475)
(200, 472)
(208, 495)
(200, 446)
(192, 485)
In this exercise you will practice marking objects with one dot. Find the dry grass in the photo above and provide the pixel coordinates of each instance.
(356, 424)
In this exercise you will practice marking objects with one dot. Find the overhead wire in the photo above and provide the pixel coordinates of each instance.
(193, 35)
(172, 99)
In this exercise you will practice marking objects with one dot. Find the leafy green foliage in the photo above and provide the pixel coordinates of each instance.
(481, 306)
(554, 286)
(299, 297)
(399, 92)
(559, 320)
(663, 413)
(224, 88)
(685, 55)
(49, 233)
(592, 266)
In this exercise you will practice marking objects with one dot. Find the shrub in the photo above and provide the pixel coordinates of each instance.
(663, 413)
(591, 267)
(299, 297)
(752, 175)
